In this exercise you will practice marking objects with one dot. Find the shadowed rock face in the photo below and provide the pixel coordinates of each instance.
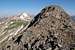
(51, 29)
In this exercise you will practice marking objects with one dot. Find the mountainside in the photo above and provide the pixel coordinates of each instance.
(11, 26)
(51, 29)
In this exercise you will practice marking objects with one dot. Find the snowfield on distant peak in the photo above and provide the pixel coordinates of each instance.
(25, 16)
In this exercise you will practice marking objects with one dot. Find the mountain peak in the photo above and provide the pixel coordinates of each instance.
(53, 12)
(25, 16)
(55, 22)
(54, 6)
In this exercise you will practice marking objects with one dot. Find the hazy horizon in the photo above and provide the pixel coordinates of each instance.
(13, 7)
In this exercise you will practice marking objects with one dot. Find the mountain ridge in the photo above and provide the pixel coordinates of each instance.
(51, 29)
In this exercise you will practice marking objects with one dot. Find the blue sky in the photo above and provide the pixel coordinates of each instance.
(12, 7)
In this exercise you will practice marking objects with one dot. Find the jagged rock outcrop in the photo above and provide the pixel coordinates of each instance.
(51, 29)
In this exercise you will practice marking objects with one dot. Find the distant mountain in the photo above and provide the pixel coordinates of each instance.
(11, 26)
(25, 16)
(73, 17)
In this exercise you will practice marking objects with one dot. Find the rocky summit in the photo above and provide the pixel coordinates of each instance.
(51, 29)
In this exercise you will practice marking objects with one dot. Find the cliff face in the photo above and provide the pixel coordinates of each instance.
(51, 29)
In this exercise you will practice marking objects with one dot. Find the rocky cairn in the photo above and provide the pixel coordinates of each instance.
(51, 29)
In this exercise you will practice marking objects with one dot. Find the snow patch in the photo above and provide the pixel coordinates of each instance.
(25, 16)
